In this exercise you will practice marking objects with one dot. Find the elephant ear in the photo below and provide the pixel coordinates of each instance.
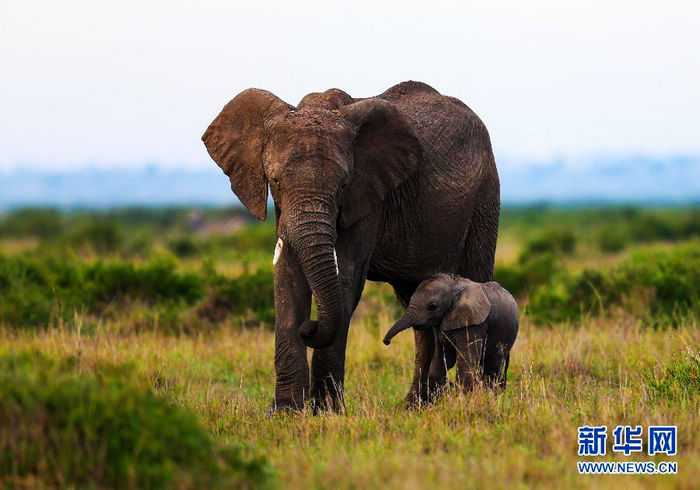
(386, 153)
(234, 140)
(471, 306)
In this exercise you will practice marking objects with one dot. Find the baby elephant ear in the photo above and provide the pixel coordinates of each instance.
(234, 141)
(471, 306)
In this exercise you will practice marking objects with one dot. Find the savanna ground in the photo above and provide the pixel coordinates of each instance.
(136, 351)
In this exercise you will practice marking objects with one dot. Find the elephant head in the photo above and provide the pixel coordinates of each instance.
(445, 301)
(328, 163)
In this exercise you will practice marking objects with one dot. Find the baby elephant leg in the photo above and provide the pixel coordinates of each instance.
(425, 345)
(470, 355)
(444, 359)
(496, 367)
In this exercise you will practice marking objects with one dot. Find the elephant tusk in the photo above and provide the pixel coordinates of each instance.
(335, 259)
(278, 251)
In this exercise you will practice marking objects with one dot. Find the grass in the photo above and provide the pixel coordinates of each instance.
(613, 372)
(207, 361)
(62, 425)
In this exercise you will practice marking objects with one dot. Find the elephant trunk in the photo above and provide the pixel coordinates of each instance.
(406, 321)
(311, 233)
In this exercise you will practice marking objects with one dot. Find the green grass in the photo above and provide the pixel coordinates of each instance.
(662, 285)
(612, 372)
(63, 426)
(162, 343)
(39, 290)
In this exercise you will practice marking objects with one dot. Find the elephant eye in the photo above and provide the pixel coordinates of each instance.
(432, 306)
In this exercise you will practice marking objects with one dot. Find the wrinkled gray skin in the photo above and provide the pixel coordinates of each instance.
(476, 325)
(401, 186)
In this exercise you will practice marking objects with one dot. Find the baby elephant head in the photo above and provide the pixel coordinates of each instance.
(445, 301)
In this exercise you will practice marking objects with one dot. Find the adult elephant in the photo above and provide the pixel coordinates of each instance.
(391, 188)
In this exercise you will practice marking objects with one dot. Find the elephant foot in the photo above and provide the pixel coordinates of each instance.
(327, 402)
(284, 406)
(427, 394)
(414, 401)
(329, 405)
(436, 388)
(327, 396)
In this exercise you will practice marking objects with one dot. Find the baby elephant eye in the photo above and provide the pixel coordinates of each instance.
(433, 306)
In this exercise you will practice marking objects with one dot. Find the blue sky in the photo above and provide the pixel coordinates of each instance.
(123, 83)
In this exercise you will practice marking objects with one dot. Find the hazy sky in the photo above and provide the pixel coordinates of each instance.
(128, 82)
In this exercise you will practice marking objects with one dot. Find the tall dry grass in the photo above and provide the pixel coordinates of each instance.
(605, 372)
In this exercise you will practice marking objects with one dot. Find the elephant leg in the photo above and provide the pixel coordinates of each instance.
(444, 358)
(431, 360)
(292, 308)
(328, 374)
(354, 249)
(420, 391)
(470, 355)
(425, 349)
(496, 367)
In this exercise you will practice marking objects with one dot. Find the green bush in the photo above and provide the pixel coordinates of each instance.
(589, 291)
(611, 240)
(553, 241)
(97, 235)
(252, 293)
(62, 429)
(156, 282)
(673, 276)
(139, 243)
(537, 262)
(253, 237)
(26, 289)
(527, 273)
(32, 222)
(38, 290)
(34, 290)
(653, 226)
(664, 284)
(680, 380)
(183, 246)
(650, 225)
(611, 227)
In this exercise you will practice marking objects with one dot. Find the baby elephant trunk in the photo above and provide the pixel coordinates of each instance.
(406, 321)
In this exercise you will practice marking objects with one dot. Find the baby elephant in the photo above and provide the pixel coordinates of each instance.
(475, 325)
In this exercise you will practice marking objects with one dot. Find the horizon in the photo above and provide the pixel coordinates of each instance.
(608, 180)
